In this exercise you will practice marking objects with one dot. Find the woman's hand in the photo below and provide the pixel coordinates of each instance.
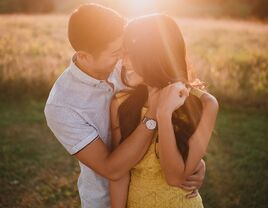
(172, 97)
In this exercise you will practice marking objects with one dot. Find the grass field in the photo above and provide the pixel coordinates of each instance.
(231, 56)
(37, 172)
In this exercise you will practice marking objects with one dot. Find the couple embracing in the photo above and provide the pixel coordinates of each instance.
(127, 110)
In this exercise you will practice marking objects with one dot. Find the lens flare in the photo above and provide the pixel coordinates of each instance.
(141, 7)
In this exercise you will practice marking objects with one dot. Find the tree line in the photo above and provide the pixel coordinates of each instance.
(27, 6)
(256, 8)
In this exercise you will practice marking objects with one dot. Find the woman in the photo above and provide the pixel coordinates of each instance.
(155, 64)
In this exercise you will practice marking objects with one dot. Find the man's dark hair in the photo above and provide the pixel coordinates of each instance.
(92, 27)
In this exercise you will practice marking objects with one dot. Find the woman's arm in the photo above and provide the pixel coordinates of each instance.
(175, 170)
(118, 189)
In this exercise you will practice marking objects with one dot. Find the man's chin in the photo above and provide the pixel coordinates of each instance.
(109, 69)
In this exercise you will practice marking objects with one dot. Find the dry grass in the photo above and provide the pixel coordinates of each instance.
(231, 56)
(34, 51)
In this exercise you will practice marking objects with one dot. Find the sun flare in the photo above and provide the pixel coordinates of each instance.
(141, 6)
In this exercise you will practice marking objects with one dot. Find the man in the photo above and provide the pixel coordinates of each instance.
(77, 110)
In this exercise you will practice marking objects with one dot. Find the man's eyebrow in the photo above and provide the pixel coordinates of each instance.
(117, 50)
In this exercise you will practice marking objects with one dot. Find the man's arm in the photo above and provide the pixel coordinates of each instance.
(116, 164)
(118, 189)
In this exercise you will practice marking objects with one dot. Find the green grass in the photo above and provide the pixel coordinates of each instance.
(36, 171)
(237, 160)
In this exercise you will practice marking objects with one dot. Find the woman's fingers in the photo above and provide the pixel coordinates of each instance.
(184, 92)
(182, 89)
(178, 85)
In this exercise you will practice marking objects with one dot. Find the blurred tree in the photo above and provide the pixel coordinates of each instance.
(261, 8)
(26, 6)
(238, 8)
(258, 8)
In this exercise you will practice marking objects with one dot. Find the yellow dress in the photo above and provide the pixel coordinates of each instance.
(149, 189)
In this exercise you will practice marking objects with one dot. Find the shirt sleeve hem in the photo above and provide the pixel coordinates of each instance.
(83, 143)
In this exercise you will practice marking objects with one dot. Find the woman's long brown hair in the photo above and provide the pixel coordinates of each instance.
(156, 49)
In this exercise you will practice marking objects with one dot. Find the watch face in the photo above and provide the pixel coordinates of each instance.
(151, 124)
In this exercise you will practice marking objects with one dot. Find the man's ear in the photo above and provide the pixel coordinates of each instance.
(83, 56)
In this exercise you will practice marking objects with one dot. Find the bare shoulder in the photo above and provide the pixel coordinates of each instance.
(118, 99)
(210, 99)
(114, 104)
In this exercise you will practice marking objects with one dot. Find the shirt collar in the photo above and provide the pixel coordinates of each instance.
(78, 73)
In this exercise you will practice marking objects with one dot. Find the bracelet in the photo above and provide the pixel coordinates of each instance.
(196, 92)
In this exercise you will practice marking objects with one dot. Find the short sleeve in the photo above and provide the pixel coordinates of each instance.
(72, 131)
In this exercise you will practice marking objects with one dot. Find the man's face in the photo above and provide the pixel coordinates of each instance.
(107, 60)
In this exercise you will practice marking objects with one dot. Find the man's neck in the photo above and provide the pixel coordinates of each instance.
(90, 71)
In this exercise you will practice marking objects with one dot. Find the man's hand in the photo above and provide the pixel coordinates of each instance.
(195, 181)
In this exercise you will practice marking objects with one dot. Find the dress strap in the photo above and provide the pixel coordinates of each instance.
(156, 144)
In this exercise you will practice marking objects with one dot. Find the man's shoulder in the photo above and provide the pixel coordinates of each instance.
(63, 89)
(64, 78)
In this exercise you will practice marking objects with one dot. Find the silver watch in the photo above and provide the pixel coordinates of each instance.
(150, 123)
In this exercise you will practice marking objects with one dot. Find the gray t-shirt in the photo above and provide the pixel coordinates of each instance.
(78, 111)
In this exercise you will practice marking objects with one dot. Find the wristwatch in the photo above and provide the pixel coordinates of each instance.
(150, 123)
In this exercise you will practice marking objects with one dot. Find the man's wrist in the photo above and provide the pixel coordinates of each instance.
(151, 114)
(163, 115)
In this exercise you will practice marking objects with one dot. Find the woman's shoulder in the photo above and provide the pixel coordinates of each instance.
(121, 96)
(118, 99)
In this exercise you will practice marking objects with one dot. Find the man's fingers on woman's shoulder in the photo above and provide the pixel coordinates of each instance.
(195, 177)
(192, 195)
(188, 188)
(191, 183)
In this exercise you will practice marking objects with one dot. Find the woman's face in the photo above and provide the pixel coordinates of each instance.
(133, 79)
